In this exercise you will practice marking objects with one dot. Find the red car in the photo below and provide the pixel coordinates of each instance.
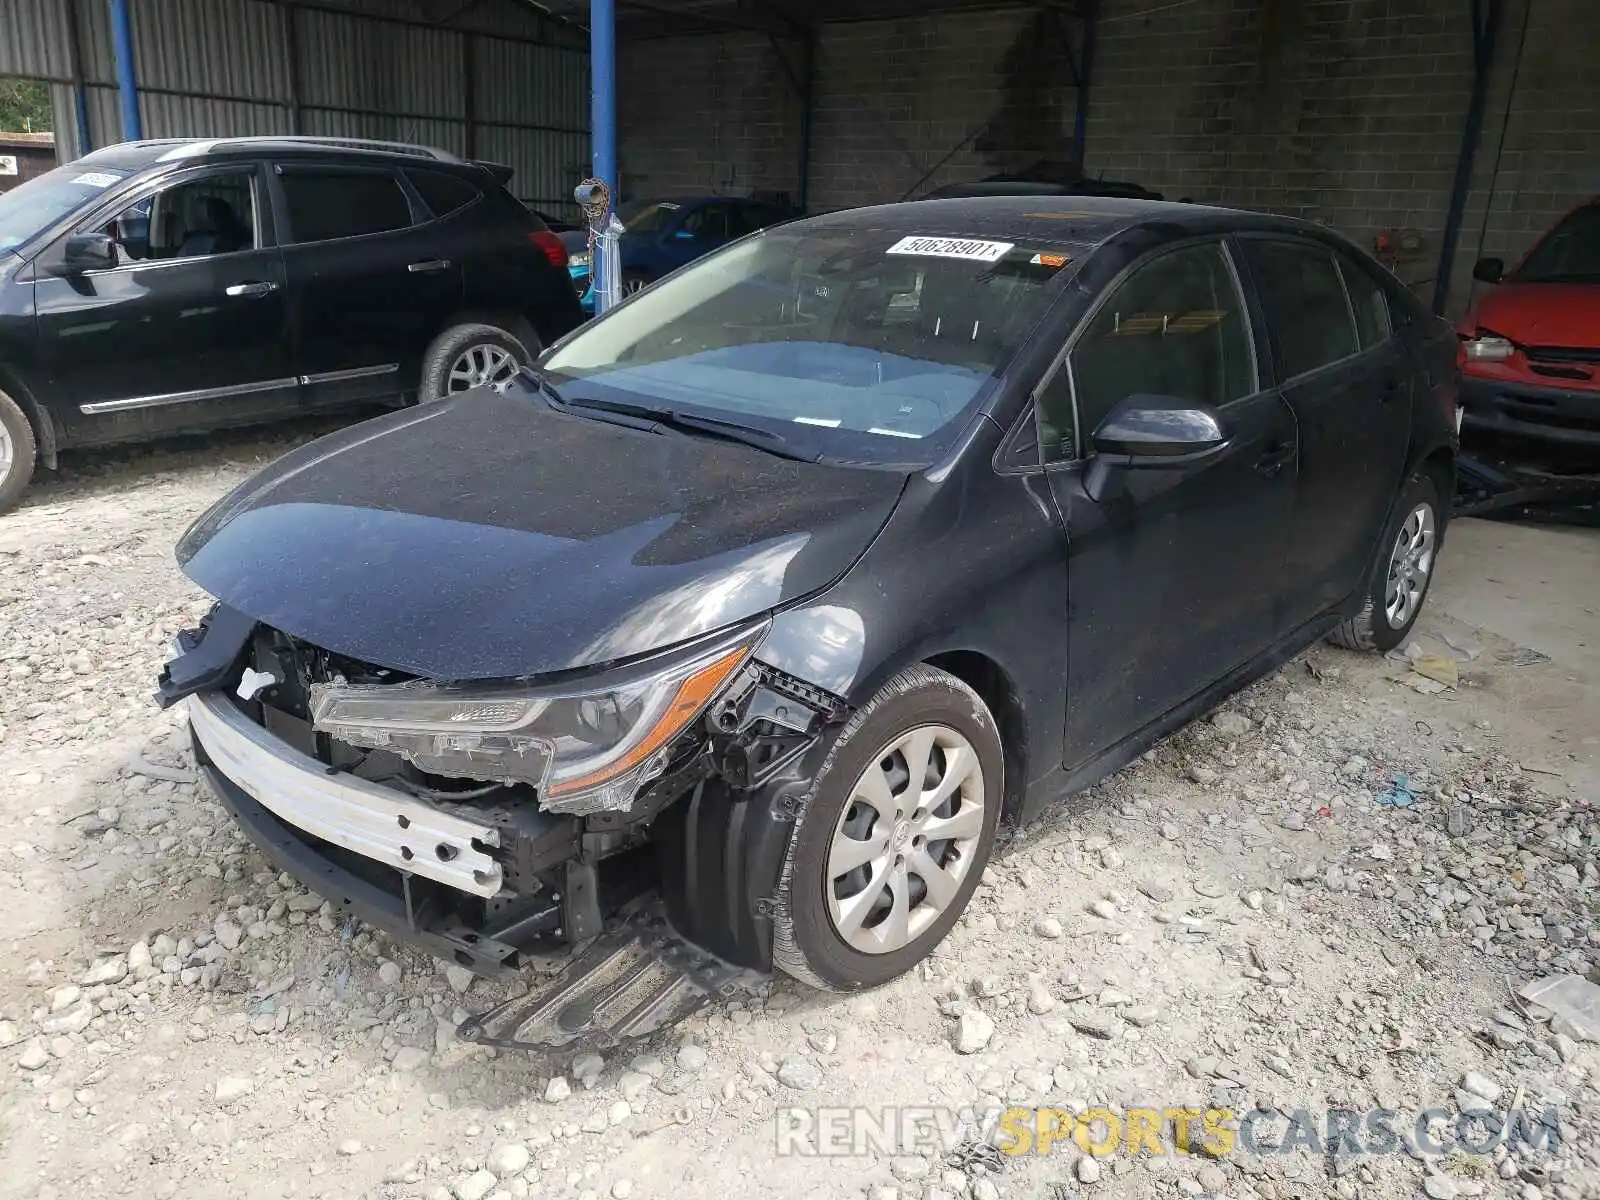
(1530, 349)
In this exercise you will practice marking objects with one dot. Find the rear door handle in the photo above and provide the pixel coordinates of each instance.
(253, 290)
(1275, 458)
(1393, 388)
(429, 266)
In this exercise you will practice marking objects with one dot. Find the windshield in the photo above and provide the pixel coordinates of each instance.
(856, 344)
(41, 202)
(1569, 253)
(647, 216)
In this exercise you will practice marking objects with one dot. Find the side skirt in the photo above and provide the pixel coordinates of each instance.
(1058, 784)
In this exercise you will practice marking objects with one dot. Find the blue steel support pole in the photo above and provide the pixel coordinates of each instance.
(127, 79)
(603, 108)
(1485, 27)
(1080, 120)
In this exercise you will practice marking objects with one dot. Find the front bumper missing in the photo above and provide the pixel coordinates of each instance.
(402, 912)
(370, 820)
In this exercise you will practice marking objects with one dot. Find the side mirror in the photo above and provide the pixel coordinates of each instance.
(1152, 431)
(1489, 270)
(89, 252)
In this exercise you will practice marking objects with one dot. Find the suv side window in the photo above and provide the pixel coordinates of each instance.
(1305, 302)
(1367, 301)
(1175, 327)
(325, 203)
(215, 214)
(709, 222)
(441, 192)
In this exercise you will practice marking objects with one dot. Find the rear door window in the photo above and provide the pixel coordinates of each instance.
(1367, 302)
(1175, 327)
(1305, 302)
(328, 203)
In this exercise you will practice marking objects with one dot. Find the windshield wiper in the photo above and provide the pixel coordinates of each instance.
(541, 381)
(732, 431)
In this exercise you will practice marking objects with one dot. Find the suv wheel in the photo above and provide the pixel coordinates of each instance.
(474, 355)
(16, 452)
(895, 836)
(1402, 573)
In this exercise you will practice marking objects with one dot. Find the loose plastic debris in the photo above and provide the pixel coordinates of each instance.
(1399, 795)
(1570, 997)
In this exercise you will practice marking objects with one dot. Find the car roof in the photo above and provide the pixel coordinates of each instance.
(138, 155)
(1087, 220)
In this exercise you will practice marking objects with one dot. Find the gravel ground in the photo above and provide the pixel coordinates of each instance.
(1235, 922)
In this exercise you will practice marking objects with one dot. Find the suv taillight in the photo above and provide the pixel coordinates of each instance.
(550, 246)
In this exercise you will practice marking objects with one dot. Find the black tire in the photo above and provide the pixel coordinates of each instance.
(1371, 628)
(805, 943)
(520, 341)
(14, 477)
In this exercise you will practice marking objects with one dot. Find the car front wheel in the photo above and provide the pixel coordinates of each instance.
(16, 452)
(1402, 574)
(894, 837)
(474, 355)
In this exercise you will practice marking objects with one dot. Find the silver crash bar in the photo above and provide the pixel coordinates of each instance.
(367, 818)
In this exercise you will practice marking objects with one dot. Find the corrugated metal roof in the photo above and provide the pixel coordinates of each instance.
(33, 39)
(367, 68)
(224, 47)
(531, 85)
(353, 63)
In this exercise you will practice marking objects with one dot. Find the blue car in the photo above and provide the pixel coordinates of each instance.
(659, 236)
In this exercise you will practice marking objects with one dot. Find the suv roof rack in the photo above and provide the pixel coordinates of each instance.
(190, 148)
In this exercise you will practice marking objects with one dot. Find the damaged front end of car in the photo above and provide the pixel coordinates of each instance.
(487, 822)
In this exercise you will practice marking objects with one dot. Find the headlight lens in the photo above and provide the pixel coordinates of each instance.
(586, 751)
(1489, 347)
(580, 259)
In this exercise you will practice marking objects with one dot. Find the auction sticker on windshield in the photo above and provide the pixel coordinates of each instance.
(97, 179)
(944, 247)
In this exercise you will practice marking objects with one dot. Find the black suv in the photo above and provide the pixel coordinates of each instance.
(165, 286)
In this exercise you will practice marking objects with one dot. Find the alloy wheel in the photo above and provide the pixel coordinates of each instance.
(906, 840)
(1410, 564)
(7, 452)
(480, 365)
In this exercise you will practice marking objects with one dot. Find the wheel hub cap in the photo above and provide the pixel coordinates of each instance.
(1410, 564)
(906, 840)
(484, 365)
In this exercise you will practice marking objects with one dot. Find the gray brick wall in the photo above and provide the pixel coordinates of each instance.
(707, 116)
(1347, 112)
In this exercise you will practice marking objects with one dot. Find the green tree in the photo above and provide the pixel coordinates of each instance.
(25, 106)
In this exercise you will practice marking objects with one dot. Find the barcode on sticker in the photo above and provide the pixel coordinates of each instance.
(943, 247)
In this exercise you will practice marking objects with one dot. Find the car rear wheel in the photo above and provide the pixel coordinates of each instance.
(633, 281)
(16, 452)
(895, 836)
(1400, 577)
(474, 355)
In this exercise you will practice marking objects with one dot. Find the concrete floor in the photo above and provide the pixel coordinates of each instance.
(1505, 585)
(1538, 586)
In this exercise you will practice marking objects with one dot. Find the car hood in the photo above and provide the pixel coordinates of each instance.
(490, 536)
(1542, 314)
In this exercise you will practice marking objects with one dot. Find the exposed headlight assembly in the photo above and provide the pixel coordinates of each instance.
(1489, 347)
(587, 749)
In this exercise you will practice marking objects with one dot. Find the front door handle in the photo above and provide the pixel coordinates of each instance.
(1393, 388)
(1275, 458)
(429, 267)
(253, 290)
